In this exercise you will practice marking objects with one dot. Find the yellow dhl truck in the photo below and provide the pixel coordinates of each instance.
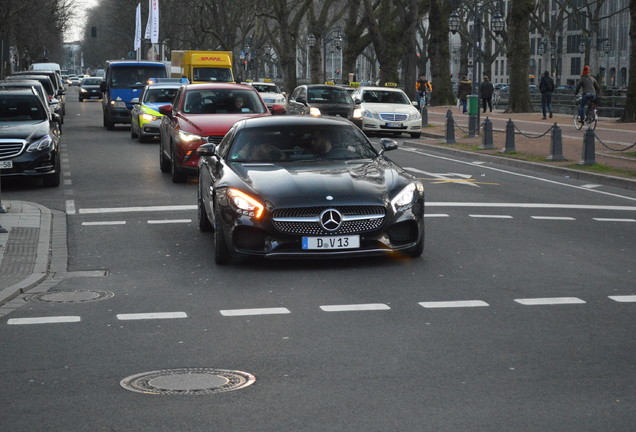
(202, 66)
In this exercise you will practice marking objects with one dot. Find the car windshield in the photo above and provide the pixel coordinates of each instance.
(212, 74)
(91, 81)
(329, 95)
(223, 101)
(266, 88)
(160, 95)
(385, 96)
(134, 76)
(300, 143)
(20, 107)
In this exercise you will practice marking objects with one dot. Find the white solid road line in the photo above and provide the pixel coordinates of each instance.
(563, 218)
(256, 311)
(44, 320)
(549, 301)
(136, 209)
(355, 307)
(151, 315)
(100, 223)
(169, 221)
(453, 304)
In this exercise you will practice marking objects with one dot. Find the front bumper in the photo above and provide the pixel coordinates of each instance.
(34, 164)
(396, 233)
(375, 125)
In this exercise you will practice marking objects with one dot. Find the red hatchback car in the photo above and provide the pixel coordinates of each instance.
(201, 114)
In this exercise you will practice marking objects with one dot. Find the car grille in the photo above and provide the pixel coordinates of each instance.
(366, 218)
(214, 139)
(337, 113)
(11, 147)
(393, 116)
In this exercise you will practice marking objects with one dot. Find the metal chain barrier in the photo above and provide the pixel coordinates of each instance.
(610, 148)
(520, 132)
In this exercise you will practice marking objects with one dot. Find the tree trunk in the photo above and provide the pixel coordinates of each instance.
(439, 54)
(518, 55)
(629, 114)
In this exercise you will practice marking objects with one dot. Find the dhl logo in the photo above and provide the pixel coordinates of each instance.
(210, 58)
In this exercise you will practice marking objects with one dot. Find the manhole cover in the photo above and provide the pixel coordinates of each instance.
(75, 296)
(188, 381)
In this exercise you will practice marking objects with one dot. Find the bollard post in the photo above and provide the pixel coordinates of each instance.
(589, 157)
(424, 113)
(487, 138)
(510, 137)
(556, 145)
(450, 128)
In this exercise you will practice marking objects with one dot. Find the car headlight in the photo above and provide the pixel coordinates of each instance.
(314, 111)
(43, 143)
(148, 117)
(189, 137)
(414, 115)
(245, 204)
(369, 114)
(406, 197)
(83, 90)
(279, 100)
(118, 104)
(357, 113)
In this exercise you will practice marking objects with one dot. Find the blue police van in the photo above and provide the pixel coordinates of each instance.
(123, 82)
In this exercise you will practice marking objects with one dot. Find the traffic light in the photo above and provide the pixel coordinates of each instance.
(93, 31)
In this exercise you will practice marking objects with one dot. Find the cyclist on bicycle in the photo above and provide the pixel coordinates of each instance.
(590, 89)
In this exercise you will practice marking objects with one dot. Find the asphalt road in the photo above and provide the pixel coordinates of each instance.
(519, 317)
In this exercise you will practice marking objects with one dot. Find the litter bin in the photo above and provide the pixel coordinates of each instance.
(473, 104)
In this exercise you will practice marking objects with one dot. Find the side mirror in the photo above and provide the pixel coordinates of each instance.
(206, 150)
(134, 100)
(61, 92)
(54, 102)
(387, 145)
(166, 110)
(414, 103)
(278, 109)
(357, 101)
(56, 118)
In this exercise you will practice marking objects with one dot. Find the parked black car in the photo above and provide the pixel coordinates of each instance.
(54, 102)
(89, 88)
(323, 100)
(29, 137)
(56, 79)
(305, 187)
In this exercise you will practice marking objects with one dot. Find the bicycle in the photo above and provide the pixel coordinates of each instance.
(591, 114)
(496, 99)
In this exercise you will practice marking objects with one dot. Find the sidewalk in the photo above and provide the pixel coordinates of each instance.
(534, 152)
(26, 258)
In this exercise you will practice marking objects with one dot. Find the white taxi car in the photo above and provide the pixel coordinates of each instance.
(270, 93)
(387, 109)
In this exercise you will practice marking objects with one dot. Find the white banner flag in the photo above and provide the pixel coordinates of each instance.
(147, 34)
(137, 43)
(154, 21)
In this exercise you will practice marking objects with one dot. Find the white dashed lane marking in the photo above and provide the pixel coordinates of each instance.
(624, 299)
(151, 315)
(557, 218)
(44, 320)
(355, 307)
(613, 220)
(256, 311)
(454, 304)
(549, 301)
(102, 223)
(169, 221)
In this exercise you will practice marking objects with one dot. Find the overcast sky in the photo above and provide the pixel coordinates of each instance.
(77, 24)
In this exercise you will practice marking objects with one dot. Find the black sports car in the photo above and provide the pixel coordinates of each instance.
(301, 186)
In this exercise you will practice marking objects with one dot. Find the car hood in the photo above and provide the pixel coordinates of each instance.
(212, 124)
(388, 108)
(298, 184)
(26, 130)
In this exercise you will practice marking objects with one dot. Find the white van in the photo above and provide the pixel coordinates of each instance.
(46, 66)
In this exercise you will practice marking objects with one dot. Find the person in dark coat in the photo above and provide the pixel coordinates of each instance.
(485, 93)
(464, 89)
(546, 87)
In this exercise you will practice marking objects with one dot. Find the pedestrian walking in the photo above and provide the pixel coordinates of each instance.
(464, 89)
(589, 89)
(485, 94)
(546, 87)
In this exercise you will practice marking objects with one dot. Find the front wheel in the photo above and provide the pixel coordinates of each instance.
(416, 135)
(592, 119)
(222, 254)
(576, 119)
(204, 221)
(177, 175)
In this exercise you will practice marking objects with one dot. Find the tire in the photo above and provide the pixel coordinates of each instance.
(53, 180)
(109, 125)
(593, 121)
(204, 221)
(81, 100)
(222, 254)
(575, 119)
(164, 164)
(177, 175)
(133, 135)
(416, 135)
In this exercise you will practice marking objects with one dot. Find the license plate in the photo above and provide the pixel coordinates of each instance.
(330, 243)
(394, 124)
(6, 164)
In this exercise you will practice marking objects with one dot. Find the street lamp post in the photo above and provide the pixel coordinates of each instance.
(335, 38)
(497, 25)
